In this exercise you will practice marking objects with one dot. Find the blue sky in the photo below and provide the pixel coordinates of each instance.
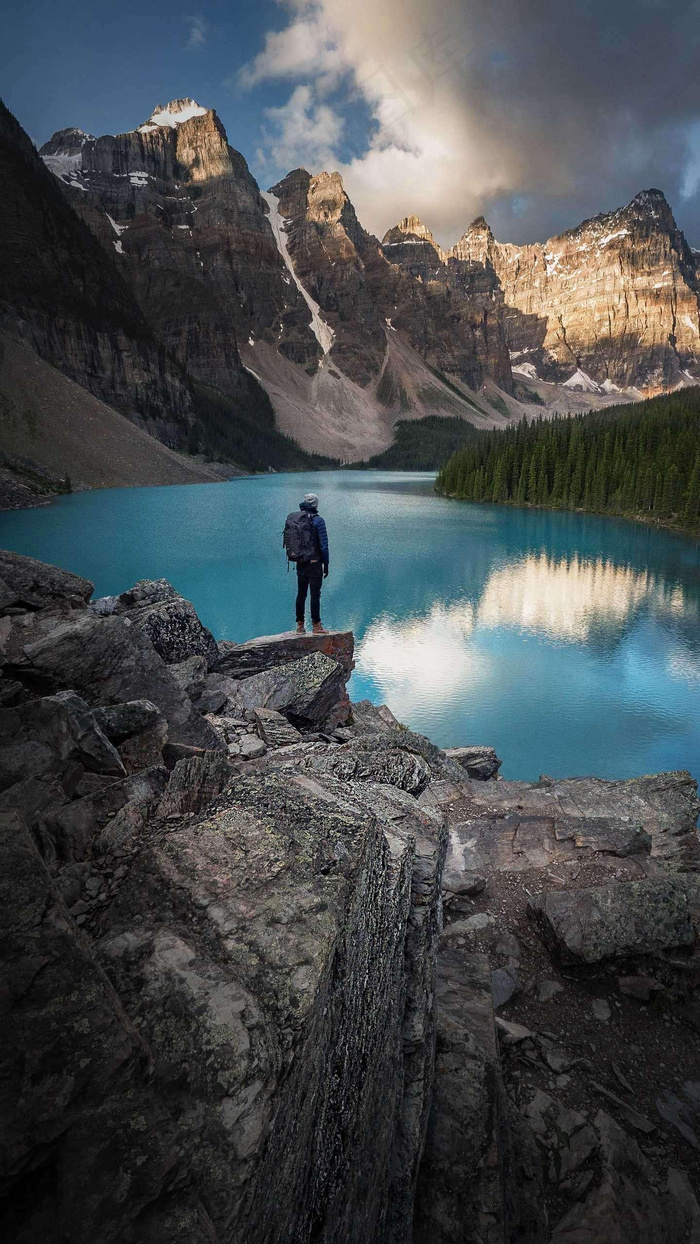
(534, 113)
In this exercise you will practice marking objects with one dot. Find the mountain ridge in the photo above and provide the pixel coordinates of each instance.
(347, 334)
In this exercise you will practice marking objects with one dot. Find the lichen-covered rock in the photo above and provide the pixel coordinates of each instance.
(269, 935)
(268, 651)
(481, 763)
(308, 691)
(603, 922)
(121, 721)
(373, 762)
(175, 631)
(274, 729)
(31, 584)
(68, 832)
(190, 675)
(195, 782)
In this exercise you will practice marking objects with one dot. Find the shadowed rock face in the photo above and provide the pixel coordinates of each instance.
(192, 238)
(74, 306)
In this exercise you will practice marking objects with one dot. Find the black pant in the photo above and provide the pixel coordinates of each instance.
(309, 575)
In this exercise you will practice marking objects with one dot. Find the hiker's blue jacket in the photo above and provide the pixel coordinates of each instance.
(320, 531)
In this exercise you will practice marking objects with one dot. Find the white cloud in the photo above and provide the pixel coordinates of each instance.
(480, 102)
(302, 130)
(198, 32)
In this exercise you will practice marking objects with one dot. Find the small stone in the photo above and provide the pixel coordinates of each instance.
(548, 990)
(641, 987)
(508, 946)
(505, 983)
(511, 1034)
(601, 1010)
(234, 749)
(252, 747)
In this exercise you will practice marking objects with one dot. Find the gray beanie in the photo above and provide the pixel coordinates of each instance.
(311, 499)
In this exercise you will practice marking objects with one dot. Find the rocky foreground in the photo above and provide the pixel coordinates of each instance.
(277, 969)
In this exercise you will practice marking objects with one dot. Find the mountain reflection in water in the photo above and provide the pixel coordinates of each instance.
(569, 642)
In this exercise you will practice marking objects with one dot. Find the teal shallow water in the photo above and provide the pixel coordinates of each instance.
(569, 642)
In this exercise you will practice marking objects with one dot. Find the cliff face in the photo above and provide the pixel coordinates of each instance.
(68, 299)
(452, 312)
(188, 226)
(616, 298)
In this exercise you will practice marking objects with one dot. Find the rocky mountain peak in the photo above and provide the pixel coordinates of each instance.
(475, 244)
(173, 114)
(411, 229)
(66, 142)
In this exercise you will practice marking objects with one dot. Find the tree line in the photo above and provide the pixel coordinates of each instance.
(641, 460)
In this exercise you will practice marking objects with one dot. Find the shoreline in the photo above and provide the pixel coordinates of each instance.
(660, 523)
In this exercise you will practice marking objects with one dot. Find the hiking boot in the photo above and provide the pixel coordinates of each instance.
(318, 629)
(301, 629)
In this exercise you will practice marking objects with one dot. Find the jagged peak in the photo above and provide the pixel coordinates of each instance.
(173, 114)
(68, 141)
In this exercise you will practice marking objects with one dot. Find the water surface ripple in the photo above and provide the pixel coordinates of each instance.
(569, 642)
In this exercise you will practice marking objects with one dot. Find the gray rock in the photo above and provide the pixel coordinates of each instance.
(33, 584)
(175, 630)
(108, 661)
(461, 1179)
(505, 983)
(268, 651)
(76, 1079)
(510, 1033)
(190, 675)
(372, 718)
(507, 945)
(601, 1010)
(274, 729)
(636, 1120)
(251, 936)
(586, 926)
(251, 747)
(307, 691)
(67, 833)
(683, 1112)
(195, 783)
(43, 737)
(548, 990)
(640, 987)
(481, 763)
(121, 721)
(373, 760)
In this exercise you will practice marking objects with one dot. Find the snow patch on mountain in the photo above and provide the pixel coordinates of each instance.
(581, 380)
(322, 331)
(526, 369)
(172, 114)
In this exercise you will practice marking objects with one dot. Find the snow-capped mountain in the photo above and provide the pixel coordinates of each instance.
(345, 333)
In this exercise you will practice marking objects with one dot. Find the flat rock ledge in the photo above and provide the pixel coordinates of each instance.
(277, 969)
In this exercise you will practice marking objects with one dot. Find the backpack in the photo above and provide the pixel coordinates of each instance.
(299, 537)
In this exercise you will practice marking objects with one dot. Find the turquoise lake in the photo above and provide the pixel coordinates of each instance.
(571, 643)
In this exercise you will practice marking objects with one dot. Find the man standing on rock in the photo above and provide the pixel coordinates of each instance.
(305, 540)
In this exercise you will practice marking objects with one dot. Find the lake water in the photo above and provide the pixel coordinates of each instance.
(569, 642)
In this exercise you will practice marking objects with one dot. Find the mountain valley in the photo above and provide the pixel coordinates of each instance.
(271, 330)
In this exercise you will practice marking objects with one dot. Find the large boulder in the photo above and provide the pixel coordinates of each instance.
(268, 651)
(170, 621)
(49, 737)
(260, 954)
(139, 730)
(26, 583)
(80, 1121)
(480, 763)
(310, 692)
(610, 921)
(375, 761)
(108, 660)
